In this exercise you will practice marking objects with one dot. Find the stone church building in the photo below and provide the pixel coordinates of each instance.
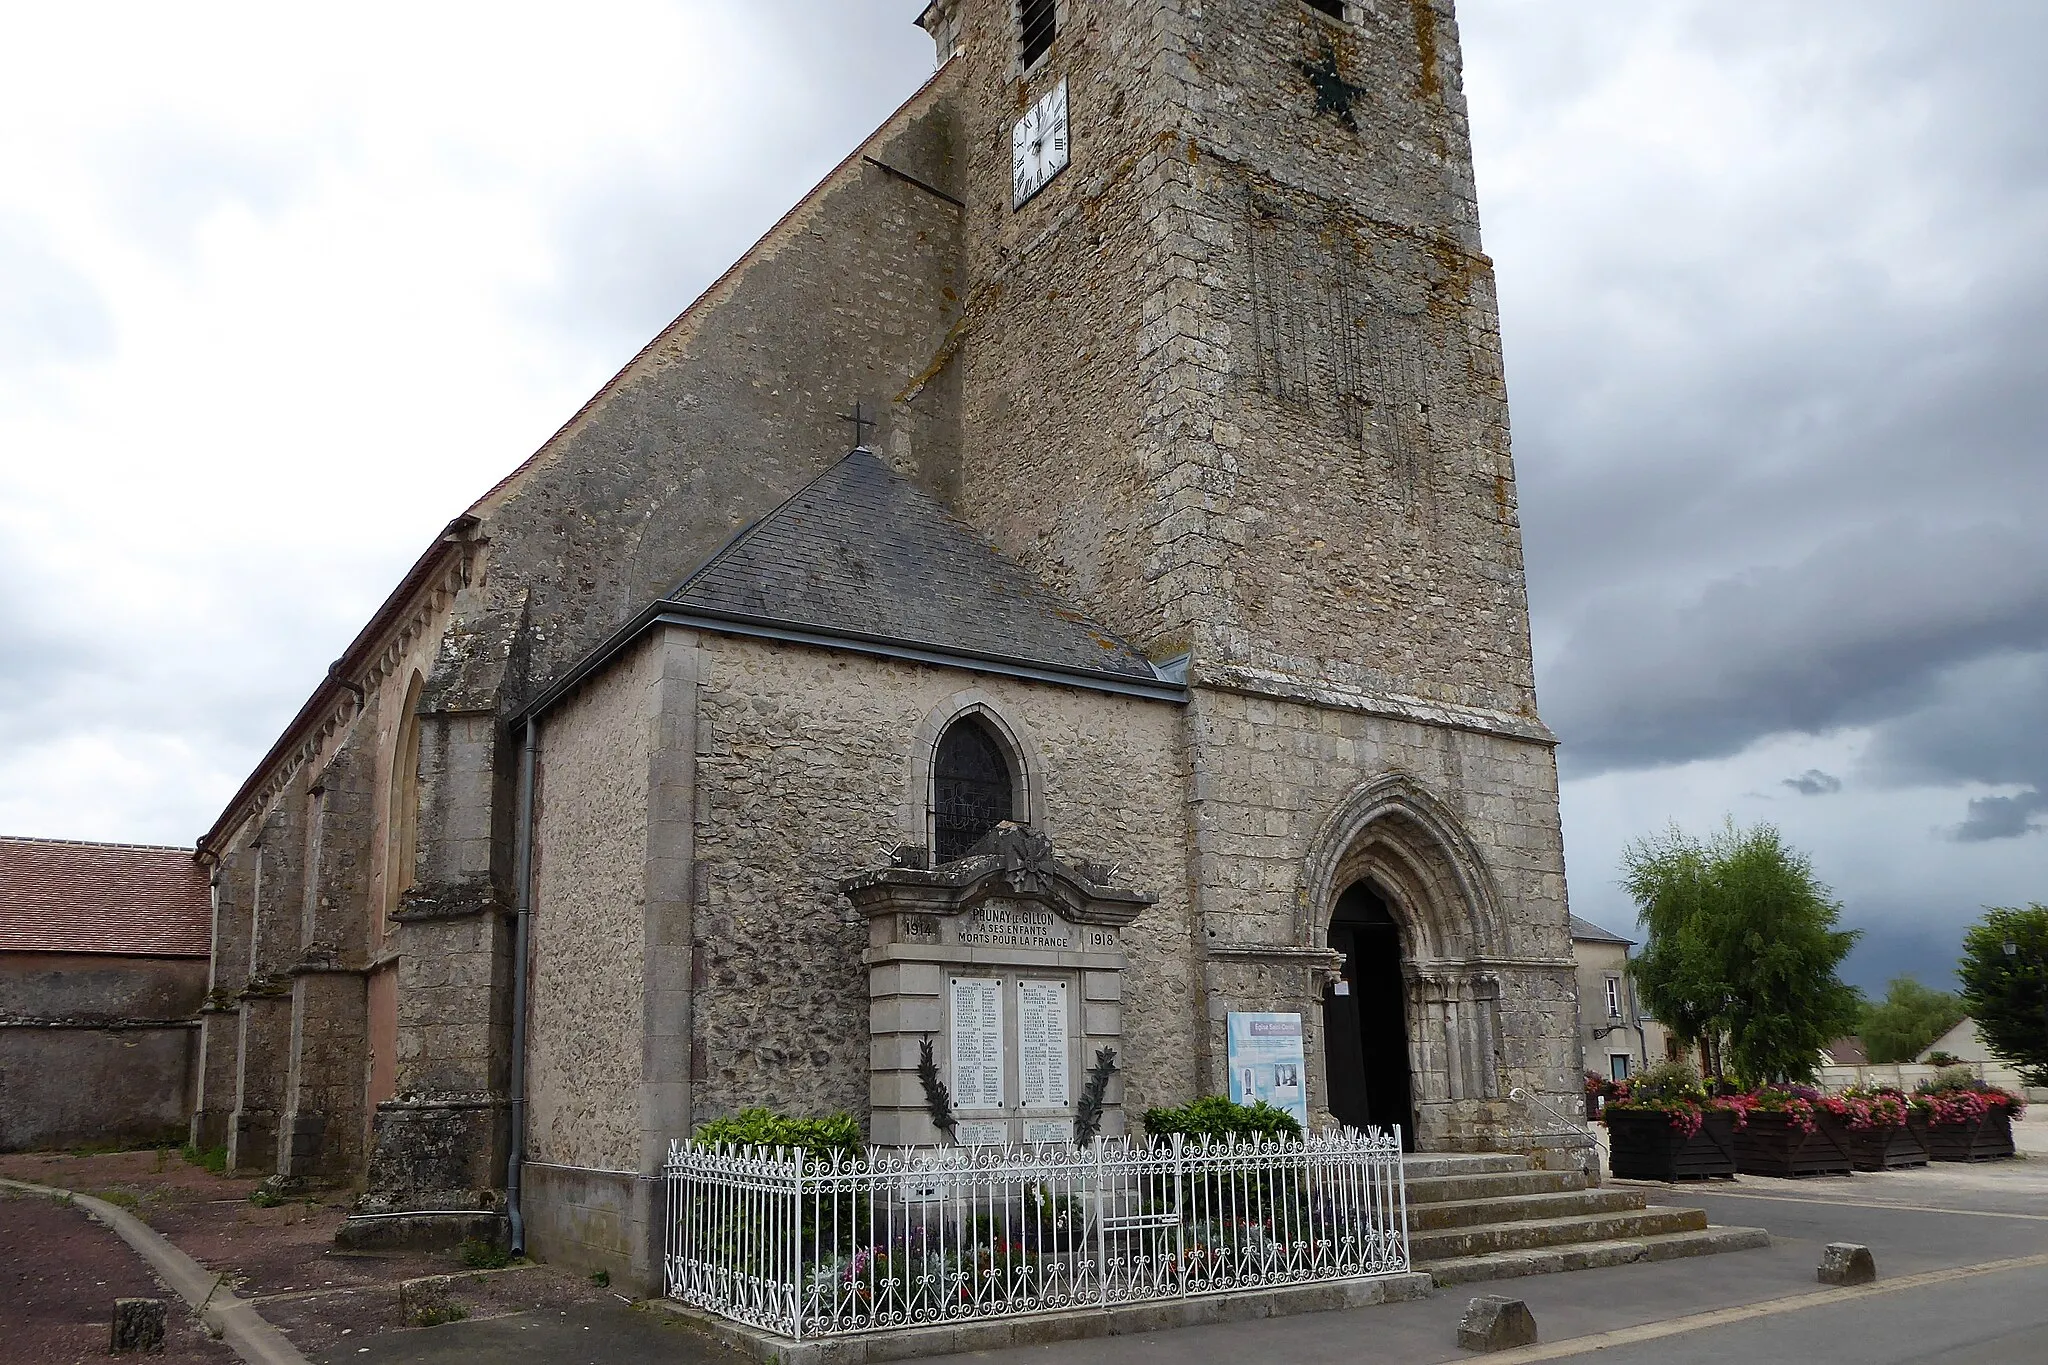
(1155, 649)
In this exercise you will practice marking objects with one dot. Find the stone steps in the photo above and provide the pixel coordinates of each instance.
(1491, 1185)
(1505, 1265)
(1441, 1215)
(1430, 1165)
(1473, 1218)
(1527, 1234)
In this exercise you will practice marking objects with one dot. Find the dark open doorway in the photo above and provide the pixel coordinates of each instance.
(1365, 1017)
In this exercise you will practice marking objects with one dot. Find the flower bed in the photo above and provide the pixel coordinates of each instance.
(1646, 1144)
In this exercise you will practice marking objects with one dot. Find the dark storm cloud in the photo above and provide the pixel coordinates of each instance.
(1857, 633)
(2002, 817)
(1814, 782)
(1779, 418)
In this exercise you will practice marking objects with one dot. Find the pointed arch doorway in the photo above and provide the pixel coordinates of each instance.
(1365, 1017)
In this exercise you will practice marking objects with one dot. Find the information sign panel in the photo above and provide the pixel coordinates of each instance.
(1267, 1062)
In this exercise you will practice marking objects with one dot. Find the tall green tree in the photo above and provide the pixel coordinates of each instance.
(1742, 940)
(2007, 993)
(1900, 1027)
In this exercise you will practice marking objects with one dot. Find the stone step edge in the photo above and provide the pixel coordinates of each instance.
(1524, 1208)
(1572, 1230)
(1432, 1189)
(1507, 1265)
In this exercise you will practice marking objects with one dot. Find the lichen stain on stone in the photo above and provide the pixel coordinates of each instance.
(1431, 86)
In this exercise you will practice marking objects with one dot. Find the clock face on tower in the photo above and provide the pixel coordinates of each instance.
(1038, 145)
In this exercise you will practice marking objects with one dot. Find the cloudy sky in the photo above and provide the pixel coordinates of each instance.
(283, 289)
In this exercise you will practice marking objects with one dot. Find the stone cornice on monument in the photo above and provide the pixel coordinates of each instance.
(1012, 863)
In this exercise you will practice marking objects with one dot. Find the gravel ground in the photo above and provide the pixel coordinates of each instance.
(60, 1272)
(283, 1258)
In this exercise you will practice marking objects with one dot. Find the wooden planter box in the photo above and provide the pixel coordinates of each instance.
(1642, 1145)
(1887, 1149)
(1985, 1140)
(1772, 1144)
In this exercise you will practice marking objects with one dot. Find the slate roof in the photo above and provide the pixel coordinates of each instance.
(863, 551)
(1585, 931)
(58, 896)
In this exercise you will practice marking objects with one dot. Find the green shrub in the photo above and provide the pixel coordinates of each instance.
(478, 1254)
(265, 1199)
(214, 1159)
(601, 1278)
(765, 1128)
(1215, 1116)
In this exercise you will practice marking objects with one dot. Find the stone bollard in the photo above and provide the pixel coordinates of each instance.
(1494, 1323)
(424, 1302)
(138, 1325)
(1847, 1263)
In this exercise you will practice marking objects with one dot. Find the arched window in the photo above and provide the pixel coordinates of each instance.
(973, 789)
(402, 813)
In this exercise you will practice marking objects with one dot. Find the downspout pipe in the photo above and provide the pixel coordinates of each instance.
(529, 752)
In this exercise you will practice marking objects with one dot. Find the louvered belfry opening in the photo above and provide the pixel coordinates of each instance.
(1037, 22)
(971, 789)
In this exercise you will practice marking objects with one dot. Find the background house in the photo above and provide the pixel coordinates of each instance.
(1616, 1038)
(103, 962)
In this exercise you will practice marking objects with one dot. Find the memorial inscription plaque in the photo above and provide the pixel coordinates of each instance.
(1042, 1044)
(977, 1042)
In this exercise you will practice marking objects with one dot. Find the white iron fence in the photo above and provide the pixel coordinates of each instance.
(806, 1247)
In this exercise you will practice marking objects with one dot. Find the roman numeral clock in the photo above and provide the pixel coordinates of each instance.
(1038, 145)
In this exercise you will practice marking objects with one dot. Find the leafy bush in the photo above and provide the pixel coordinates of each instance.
(214, 1159)
(478, 1254)
(765, 1128)
(1215, 1116)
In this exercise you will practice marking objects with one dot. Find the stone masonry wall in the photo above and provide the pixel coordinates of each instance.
(587, 964)
(805, 775)
(1269, 777)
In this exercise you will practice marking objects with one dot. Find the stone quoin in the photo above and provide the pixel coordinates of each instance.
(1161, 653)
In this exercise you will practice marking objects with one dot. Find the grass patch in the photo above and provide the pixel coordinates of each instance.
(126, 1199)
(478, 1254)
(214, 1159)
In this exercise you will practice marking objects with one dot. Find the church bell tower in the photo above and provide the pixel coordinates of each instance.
(1230, 377)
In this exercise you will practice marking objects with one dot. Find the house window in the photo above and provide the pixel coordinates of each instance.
(972, 789)
(1037, 23)
(1617, 1065)
(1614, 997)
(1333, 8)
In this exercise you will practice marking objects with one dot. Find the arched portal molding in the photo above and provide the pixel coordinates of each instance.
(1414, 847)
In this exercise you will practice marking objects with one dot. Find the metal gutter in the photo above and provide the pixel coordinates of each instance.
(529, 752)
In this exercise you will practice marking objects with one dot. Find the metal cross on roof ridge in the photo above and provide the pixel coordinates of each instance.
(860, 423)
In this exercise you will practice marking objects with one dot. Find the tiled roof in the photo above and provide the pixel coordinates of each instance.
(1848, 1051)
(57, 896)
(863, 551)
(1585, 931)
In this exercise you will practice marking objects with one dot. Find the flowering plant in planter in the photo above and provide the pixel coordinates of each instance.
(1961, 1108)
(1675, 1091)
(1801, 1104)
(1865, 1109)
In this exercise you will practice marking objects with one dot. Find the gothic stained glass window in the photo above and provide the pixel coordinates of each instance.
(970, 789)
